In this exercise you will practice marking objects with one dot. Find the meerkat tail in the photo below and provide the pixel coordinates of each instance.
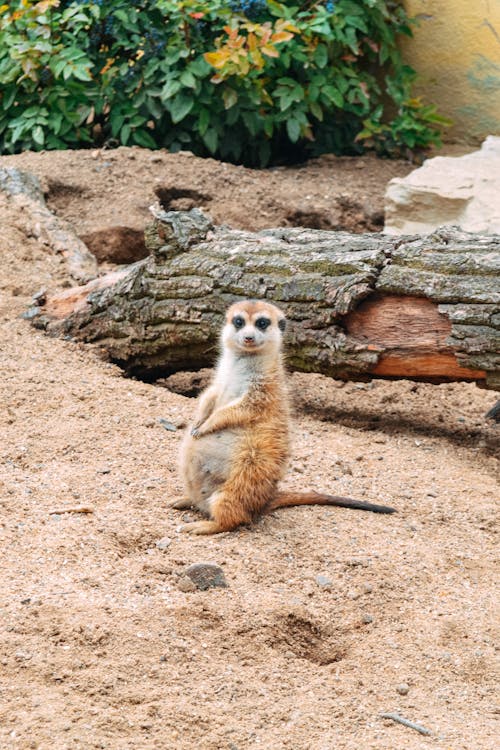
(286, 499)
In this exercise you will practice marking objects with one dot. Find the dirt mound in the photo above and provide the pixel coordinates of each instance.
(106, 194)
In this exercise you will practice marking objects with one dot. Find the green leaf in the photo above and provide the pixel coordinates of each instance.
(321, 55)
(333, 95)
(211, 139)
(180, 107)
(188, 79)
(125, 134)
(171, 88)
(144, 139)
(316, 110)
(38, 135)
(230, 97)
(203, 121)
(293, 129)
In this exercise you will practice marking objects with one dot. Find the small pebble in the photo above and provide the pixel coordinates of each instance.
(324, 582)
(403, 689)
(170, 426)
(164, 543)
(205, 576)
(367, 619)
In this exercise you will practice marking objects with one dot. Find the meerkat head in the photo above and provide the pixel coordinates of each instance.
(253, 327)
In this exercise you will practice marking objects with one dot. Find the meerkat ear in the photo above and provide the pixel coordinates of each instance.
(282, 324)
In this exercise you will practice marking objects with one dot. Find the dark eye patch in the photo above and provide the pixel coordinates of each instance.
(238, 322)
(262, 323)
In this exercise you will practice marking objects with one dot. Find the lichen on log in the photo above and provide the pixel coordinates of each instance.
(358, 305)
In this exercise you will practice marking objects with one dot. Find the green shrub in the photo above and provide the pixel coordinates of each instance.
(252, 81)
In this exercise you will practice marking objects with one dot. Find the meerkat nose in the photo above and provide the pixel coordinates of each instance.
(249, 339)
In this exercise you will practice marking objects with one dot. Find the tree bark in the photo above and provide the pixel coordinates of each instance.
(358, 306)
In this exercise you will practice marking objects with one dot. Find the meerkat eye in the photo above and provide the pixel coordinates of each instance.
(238, 322)
(262, 323)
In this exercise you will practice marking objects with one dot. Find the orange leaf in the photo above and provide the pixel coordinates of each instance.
(281, 36)
(217, 59)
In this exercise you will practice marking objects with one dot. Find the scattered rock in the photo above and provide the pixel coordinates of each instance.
(170, 426)
(40, 298)
(460, 191)
(164, 543)
(403, 688)
(367, 619)
(23, 656)
(31, 313)
(205, 576)
(324, 582)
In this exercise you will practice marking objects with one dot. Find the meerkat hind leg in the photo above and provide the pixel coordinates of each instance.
(224, 516)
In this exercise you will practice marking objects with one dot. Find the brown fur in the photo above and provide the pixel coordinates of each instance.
(236, 452)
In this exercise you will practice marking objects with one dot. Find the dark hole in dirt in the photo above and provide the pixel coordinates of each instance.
(307, 640)
(345, 214)
(189, 384)
(116, 244)
(61, 191)
(181, 199)
(309, 219)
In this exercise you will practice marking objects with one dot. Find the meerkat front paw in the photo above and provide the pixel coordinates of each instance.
(199, 431)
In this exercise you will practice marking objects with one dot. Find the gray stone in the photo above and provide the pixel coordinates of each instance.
(460, 191)
(170, 426)
(324, 582)
(206, 576)
(403, 689)
(164, 543)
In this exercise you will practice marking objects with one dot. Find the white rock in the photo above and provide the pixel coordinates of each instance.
(463, 191)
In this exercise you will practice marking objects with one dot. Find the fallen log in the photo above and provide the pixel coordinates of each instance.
(359, 306)
(25, 192)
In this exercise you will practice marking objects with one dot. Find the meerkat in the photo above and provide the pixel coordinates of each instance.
(237, 450)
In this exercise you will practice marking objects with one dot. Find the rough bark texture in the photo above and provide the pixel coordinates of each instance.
(358, 305)
(25, 191)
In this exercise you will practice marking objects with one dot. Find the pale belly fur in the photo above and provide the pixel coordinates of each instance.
(206, 464)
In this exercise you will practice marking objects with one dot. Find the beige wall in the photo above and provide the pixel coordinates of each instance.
(456, 52)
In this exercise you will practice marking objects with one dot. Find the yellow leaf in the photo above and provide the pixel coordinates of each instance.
(281, 36)
(217, 59)
(283, 25)
(252, 42)
(257, 58)
(270, 51)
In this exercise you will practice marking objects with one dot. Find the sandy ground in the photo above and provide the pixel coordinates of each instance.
(100, 648)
